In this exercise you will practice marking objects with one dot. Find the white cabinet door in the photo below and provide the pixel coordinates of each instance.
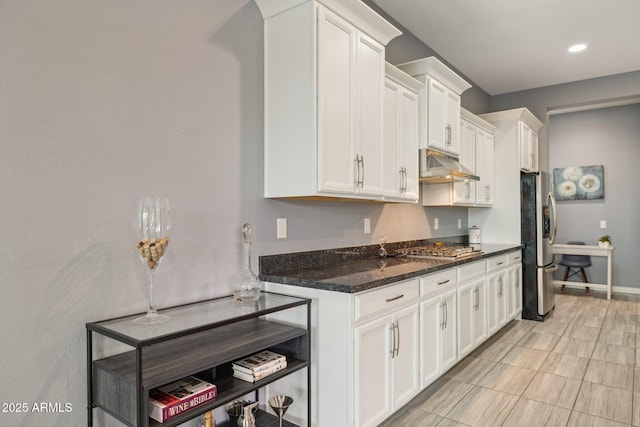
(472, 316)
(496, 301)
(408, 147)
(337, 162)
(452, 123)
(515, 290)
(431, 319)
(480, 314)
(369, 115)
(528, 148)
(438, 317)
(387, 365)
(373, 344)
(400, 159)
(465, 192)
(466, 308)
(405, 360)
(391, 171)
(436, 130)
(443, 132)
(449, 331)
(484, 168)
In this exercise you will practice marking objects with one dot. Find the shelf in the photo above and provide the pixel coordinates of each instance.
(165, 362)
(201, 339)
(191, 318)
(263, 419)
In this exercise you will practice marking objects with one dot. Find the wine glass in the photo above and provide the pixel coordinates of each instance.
(151, 233)
(280, 404)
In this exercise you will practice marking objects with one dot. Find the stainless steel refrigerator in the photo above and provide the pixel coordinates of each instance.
(538, 216)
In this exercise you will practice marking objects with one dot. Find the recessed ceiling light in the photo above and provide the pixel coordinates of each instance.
(577, 47)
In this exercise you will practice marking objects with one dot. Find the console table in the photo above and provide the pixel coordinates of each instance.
(202, 339)
(605, 251)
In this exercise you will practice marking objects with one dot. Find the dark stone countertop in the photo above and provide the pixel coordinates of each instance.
(360, 274)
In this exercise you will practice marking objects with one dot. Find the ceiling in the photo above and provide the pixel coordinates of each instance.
(511, 45)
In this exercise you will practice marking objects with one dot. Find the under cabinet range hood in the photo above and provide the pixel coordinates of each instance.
(437, 168)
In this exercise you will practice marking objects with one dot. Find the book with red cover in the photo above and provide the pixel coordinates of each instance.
(176, 398)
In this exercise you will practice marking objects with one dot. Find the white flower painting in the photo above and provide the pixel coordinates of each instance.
(579, 182)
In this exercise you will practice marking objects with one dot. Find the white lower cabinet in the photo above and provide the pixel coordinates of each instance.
(514, 280)
(472, 308)
(497, 292)
(438, 325)
(386, 355)
(472, 316)
(374, 351)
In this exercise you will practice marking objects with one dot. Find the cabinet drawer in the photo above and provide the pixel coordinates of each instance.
(514, 257)
(437, 283)
(496, 263)
(471, 271)
(385, 300)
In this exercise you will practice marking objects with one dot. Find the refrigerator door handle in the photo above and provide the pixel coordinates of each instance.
(551, 269)
(554, 221)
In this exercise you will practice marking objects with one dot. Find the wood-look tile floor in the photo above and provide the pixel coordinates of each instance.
(578, 368)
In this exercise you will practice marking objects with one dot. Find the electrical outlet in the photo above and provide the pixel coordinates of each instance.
(459, 224)
(436, 223)
(281, 228)
(603, 223)
(367, 226)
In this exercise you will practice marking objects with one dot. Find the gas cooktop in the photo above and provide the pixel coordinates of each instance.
(442, 252)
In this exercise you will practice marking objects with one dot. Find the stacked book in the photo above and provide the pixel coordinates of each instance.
(258, 366)
(173, 399)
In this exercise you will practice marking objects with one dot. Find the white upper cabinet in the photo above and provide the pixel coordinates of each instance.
(439, 104)
(400, 153)
(324, 95)
(476, 154)
(528, 148)
(502, 223)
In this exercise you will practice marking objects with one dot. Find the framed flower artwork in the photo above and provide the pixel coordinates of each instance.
(579, 182)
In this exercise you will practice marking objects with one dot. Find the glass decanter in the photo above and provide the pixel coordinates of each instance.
(248, 287)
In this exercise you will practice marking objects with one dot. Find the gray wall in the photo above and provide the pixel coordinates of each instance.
(407, 48)
(621, 88)
(103, 101)
(608, 137)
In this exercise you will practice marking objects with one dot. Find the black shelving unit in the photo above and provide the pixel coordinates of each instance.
(200, 339)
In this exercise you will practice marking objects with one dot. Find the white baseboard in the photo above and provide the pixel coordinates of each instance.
(614, 289)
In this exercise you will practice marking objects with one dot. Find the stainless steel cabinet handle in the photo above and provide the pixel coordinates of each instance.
(468, 190)
(500, 286)
(398, 341)
(405, 179)
(448, 134)
(395, 298)
(393, 339)
(442, 283)
(446, 314)
(359, 181)
(442, 315)
(476, 293)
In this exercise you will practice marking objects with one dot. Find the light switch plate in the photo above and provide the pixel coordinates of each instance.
(436, 223)
(281, 226)
(603, 223)
(367, 226)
